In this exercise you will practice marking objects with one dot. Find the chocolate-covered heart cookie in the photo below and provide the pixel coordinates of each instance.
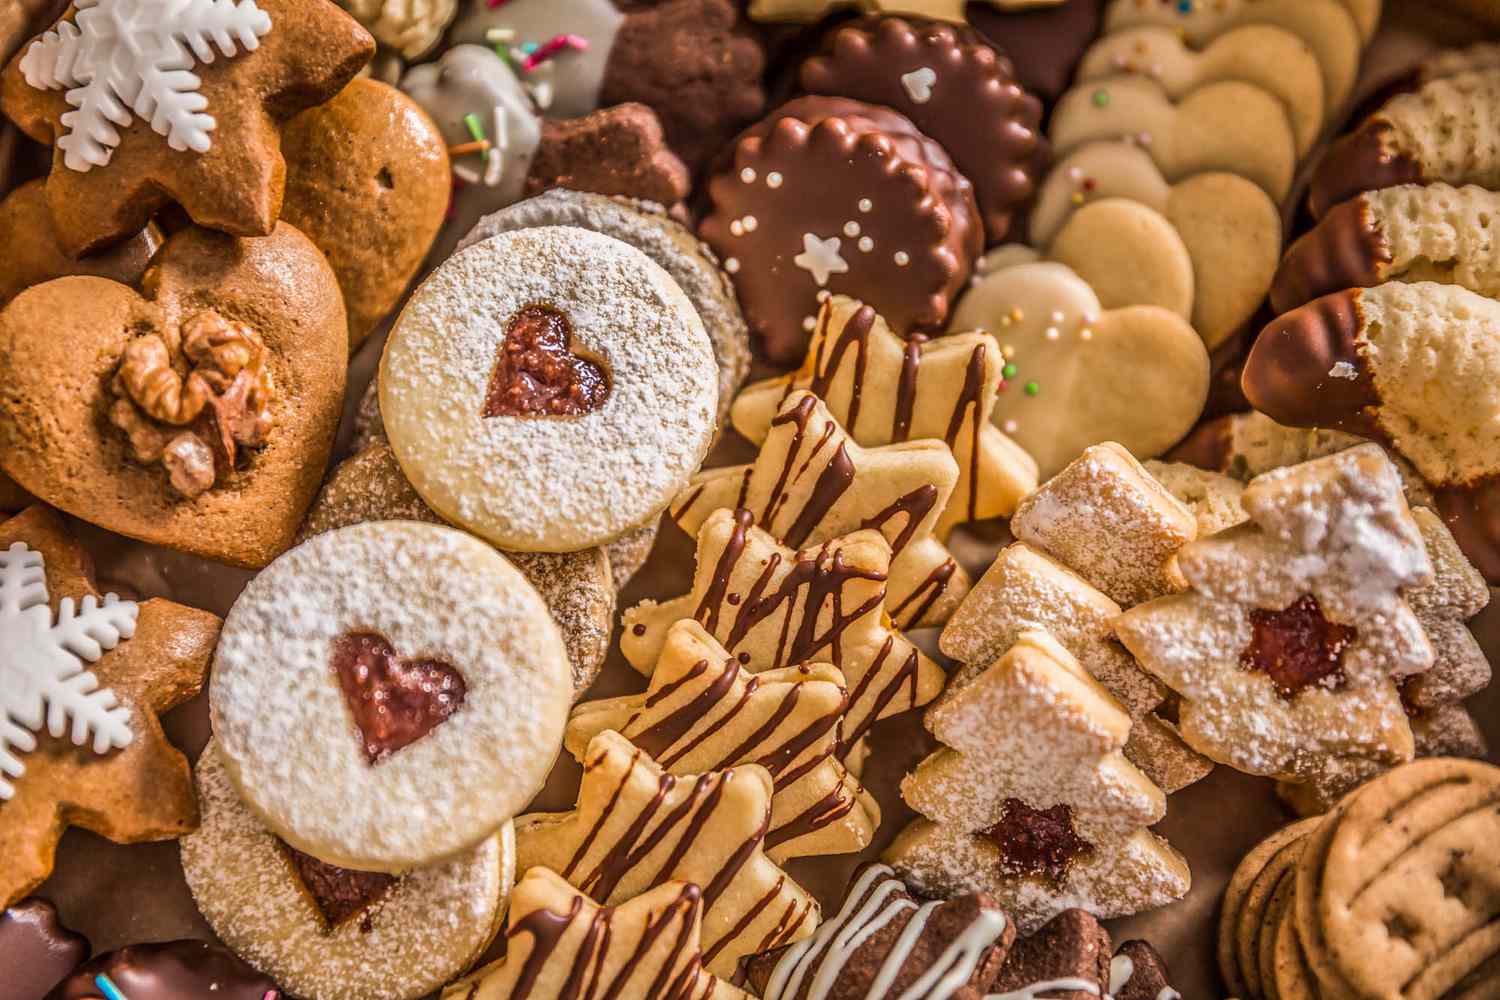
(197, 413)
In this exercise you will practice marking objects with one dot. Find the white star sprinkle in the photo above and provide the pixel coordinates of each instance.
(821, 258)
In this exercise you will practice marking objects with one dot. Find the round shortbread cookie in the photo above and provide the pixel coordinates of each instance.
(389, 694)
(549, 389)
(334, 935)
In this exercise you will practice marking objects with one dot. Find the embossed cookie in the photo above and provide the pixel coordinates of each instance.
(37, 951)
(549, 389)
(327, 933)
(886, 390)
(705, 711)
(1439, 132)
(1409, 232)
(559, 939)
(812, 483)
(830, 196)
(578, 586)
(711, 833)
(198, 415)
(1273, 58)
(682, 255)
(196, 123)
(167, 971)
(1227, 125)
(1230, 228)
(1368, 360)
(1065, 352)
(1287, 645)
(767, 604)
(368, 658)
(1243, 910)
(955, 88)
(85, 676)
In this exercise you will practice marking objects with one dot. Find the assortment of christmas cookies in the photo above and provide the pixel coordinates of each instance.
(765, 500)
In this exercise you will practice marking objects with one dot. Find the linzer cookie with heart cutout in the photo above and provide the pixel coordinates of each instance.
(953, 86)
(830, 196)
(388, 695)
(549, 389)
(327, 933)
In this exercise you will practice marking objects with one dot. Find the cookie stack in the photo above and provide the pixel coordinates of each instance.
(1394, 886)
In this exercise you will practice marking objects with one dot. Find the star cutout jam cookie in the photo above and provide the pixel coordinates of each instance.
(810, 11)
(636, 827)
(561, 943)
(773, 607)
(235, 183)
(142, 791)
(704, 712)
(886, 390)
(812, 482)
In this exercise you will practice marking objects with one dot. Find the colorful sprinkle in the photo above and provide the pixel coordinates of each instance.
(1101, 98)
(108, 988)
(866, 205)
(748, 175)
(902, 258)
(773, 179)
(1032, 388)
(559, 43)
(476, 131)
(1009, 371)
(866, 244)
(465, 148)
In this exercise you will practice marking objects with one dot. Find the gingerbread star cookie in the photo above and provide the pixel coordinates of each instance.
(705, 711)
(147, 107)
(1287, 647)
(562, 943)
(812, 482)
(775, 607)
(886, 390)
(82, 681)
(636, 827)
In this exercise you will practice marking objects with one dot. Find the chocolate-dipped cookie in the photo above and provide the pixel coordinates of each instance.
(36, 951)
(175, 970)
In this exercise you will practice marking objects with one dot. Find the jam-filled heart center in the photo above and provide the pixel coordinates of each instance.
(338, 893)
(395, 701)
(1297, 647)
(537, 373)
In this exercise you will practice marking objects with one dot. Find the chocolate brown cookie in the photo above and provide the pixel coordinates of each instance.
(615, 151)
(1045, 42)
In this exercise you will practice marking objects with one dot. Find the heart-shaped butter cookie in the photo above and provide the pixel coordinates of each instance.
(198, 413)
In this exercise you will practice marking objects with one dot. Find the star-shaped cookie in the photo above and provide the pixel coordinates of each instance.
(310, 51)
(774, 607)
(562, 943)
(886, 390)
(704, 712)
(636, 827)
(812, 483)
(810, 11)
(141, 792)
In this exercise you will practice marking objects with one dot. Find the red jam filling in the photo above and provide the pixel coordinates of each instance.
(537, 373)
(1297, 647)
(338, 893)
(395, 701)
(1036, 841)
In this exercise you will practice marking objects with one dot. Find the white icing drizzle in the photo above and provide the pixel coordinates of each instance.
(1121, 968)
(1035, 990)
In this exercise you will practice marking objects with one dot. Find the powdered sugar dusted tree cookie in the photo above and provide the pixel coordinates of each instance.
(1031, 799)
(773, 607)
(1287, 647)
(812, 482)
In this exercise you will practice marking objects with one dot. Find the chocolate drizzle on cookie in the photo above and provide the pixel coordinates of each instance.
(1297, 647)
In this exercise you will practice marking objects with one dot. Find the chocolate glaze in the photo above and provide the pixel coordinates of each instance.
(1364, 160)
(1287, 375)
(1472, 513)
(1045, 43)
(1345, 250)
(1210, 446)
(177, 970)
(36, 950)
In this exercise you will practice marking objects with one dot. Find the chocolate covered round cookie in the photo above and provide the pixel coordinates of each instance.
(173, 970)
(389, 695)
(549, 389)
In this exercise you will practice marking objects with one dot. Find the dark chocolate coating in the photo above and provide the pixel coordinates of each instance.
(1472, 513)
(1287, 375)
(1072, 945)
(1208, 447)
(1345, 250)
(1044, 44)
(1364, 160)
(176, 970)
(36, 950)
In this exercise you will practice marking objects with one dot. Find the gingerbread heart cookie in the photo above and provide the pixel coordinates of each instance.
(208, 402)
(189, 111)
(83, 677)
(794, 219)
(954, 87)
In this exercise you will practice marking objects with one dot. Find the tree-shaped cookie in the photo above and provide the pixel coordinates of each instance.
(886, 390)
(636, 827)
(1287, 647)
(704, 711)
(812, 482)
(82, 680)
(774, 607)
(1031, 799)
(562, 943)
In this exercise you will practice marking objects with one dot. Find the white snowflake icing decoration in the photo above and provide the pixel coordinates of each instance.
(42, 675)
(122, 56)
(821, 258)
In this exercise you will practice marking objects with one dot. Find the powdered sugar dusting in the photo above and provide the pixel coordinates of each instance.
(288, 737)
